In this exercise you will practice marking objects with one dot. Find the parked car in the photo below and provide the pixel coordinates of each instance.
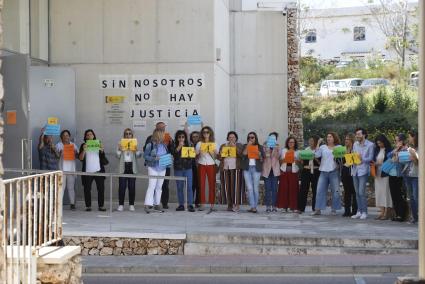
(372, 83)
(333, 87)
(354, 83)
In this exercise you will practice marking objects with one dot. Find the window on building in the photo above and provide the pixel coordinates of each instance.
(359, 33)
(310, 36)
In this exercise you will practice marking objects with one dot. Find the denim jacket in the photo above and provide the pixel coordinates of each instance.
(150, 154)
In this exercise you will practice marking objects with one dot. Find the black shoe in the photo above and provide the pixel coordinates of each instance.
(191, 209)
(180, 208)
(165, 206)
(156, 208)
(346, 214)
(73, 207)
(88, 208)
(397, 219)
(102, 209)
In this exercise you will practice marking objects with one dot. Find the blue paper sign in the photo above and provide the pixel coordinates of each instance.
(165, 160)
(271, 141)
(194, 120)
(52, 129)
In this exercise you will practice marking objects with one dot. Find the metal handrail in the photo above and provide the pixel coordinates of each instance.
(111, 175)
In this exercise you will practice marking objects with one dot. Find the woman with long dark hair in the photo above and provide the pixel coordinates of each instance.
(252, 164)
(287, 195)
(350, 202)
(183, 168)
(92, 163)
(382, 182)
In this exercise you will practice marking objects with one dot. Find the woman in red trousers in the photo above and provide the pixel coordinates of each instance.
(287, 195)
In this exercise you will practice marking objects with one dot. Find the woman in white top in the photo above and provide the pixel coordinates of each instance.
(329, 175)
(127, 165)
(67, 164)
(287, 195)
(382, 181)
(92, 164)
(206, 156)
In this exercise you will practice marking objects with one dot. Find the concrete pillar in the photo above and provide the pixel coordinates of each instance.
(421, 131)
(2, 264)
(295, 123)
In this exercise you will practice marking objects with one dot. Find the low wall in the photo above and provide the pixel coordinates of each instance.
(66, 273)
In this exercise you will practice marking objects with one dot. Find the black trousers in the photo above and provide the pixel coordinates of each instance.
(123, 182)
(399, 202)
(308, 179)
(100, 185)
(350, 201)
(165, 189)
(195, 185)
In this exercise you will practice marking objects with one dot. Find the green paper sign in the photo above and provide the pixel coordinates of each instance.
(93, 145)
(306, 155)
(339, 151)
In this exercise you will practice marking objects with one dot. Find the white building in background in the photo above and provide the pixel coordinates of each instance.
(345, 33)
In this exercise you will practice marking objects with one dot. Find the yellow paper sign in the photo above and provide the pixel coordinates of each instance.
(52, 120)
(356, 159)
(188, 152)
(207, 147)
(129, 144)
(349, 159)
(114, 99)
(228, 152)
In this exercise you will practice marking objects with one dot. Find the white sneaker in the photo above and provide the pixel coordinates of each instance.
(132, 208)
(357, 216)
(363, 216)
(120, 208)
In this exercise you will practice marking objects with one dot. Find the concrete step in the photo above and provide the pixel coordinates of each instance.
(317, 264)
(308, 241)
(211, 249)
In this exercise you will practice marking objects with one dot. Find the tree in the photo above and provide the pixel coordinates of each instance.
(394, 18)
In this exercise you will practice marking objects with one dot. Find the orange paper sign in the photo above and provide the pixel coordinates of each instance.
(253, 152)
(11, 117)
(68, 152)
(289, 157)
(167, 138)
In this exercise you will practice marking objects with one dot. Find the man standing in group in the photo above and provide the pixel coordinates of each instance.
(169, 142)
(360, 171)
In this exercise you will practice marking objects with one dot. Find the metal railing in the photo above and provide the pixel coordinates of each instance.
(32, 218)
(106, 175)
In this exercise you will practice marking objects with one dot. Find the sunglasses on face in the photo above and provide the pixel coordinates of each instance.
(181, 136)
(251, 137)
(128, 133)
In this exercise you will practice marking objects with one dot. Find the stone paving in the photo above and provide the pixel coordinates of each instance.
(177, 224)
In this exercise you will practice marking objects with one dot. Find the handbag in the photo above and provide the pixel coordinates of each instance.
(103, 160)
(388, 166)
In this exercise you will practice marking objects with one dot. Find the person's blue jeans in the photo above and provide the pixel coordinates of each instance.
(180, 186)
(412, 189)
(252, 181)
(328, 179)
(270, 184)
(361, 195)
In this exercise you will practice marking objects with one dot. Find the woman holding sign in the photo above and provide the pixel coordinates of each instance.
(128, 154)
(207, 151)
(155, 150)
(329, 174)
(252, 165)
(68, 152)
(183, 157)
(382, 182)
(92, 155)
(271, 170)
(287, 195)
(230, 172)
(350, 201)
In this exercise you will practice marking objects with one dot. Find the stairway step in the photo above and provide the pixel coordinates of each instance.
(285, 240)
(211, 249)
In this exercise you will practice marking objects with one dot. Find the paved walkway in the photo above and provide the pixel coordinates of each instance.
(177, 224)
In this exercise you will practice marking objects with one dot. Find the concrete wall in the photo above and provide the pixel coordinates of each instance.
(259, 74)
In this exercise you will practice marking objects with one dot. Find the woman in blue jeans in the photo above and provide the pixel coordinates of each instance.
(183, 168)
(252, 164)
(329, 175)
(410, 175)
(271, 173)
